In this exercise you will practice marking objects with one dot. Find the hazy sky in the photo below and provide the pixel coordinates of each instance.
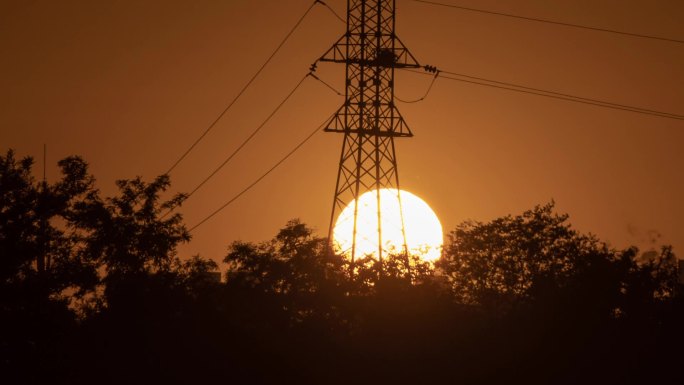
(130, 84)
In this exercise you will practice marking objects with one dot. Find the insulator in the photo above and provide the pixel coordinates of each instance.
(430, 68)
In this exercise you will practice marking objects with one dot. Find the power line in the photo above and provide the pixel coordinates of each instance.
(242, 91)
(432, 83)
(264, 175)
(549, 21)
(553, 94)
(247, 140)
(566, 95)
(250, 137)
(582, 100)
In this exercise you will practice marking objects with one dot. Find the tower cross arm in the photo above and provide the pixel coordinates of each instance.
(349, 51)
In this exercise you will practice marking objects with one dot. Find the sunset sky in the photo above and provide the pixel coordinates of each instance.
(129, 85)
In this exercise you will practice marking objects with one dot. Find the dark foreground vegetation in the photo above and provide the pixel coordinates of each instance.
(92, 292)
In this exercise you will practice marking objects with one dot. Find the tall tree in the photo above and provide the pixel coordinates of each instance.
(42, 269)
(39, 243)
(132, 235)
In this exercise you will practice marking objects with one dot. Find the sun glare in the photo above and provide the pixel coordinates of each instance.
(423, 229)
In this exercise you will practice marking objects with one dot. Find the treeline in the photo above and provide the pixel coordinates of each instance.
(92, 291)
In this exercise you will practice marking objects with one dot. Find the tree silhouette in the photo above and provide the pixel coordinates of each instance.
(42, 269)
(37, 244)
(92, 291)
(295, 267)
(560, 293)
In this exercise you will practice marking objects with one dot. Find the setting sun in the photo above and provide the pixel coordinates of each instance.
(423, 229)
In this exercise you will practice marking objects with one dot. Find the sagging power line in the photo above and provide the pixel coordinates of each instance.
(247, 140)
(264, 175)
(427, 92)
(242, 91)
(251, 136)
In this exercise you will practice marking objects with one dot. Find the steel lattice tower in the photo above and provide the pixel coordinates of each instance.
(369, 120)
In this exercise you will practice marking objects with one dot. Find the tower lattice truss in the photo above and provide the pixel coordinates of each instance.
(369, 119)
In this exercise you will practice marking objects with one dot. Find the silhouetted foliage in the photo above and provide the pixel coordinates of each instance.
(42, 271)
(294, 268)
(37, 246)
(531, 257)
(92, 291)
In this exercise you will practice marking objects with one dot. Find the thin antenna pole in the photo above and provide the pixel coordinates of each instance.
(44, 163)
(42, 257)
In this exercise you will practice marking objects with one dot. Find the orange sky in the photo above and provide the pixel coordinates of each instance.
(130, 84)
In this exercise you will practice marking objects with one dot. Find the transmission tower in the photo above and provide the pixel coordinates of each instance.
(369, 120)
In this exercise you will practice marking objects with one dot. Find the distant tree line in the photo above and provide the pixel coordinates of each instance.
(92, 291)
